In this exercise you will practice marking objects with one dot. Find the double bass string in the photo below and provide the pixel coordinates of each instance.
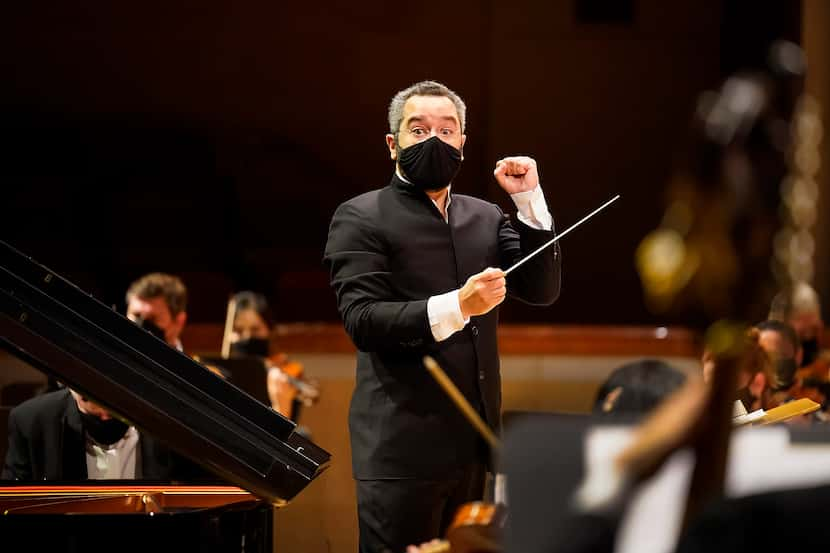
(560, 235)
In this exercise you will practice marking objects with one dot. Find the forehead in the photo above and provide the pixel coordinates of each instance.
(435, 107)
(773, 341)
(248, 317)
(145, 306)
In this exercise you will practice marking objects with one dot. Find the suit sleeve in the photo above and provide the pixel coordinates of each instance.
(360, 275)
(17, 465)
(537, 281)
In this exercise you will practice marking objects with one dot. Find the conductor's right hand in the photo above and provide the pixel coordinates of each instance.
(482, 292)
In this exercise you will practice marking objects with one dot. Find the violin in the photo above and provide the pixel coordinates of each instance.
(476, 528)
(287, 387)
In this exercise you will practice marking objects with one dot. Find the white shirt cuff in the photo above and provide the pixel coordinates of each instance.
(444, 314)
(533, 210)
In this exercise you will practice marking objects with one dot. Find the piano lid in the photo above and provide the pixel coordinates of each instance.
(51, 323)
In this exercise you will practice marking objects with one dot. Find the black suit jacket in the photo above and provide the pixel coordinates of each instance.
(46, 442)
(388, 251)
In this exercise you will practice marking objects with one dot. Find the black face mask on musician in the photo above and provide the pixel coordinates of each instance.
(105, 432)
(785, 370)
(251, 346)
(431, 164)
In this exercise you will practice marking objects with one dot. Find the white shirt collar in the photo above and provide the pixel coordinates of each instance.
(113, 462)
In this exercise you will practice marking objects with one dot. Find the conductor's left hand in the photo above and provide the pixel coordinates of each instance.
(517, 174)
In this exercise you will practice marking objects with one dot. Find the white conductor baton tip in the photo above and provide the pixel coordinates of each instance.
(561, 234)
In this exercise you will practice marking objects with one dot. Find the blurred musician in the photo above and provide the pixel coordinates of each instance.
(800, 307)
(158, 302)
(63, 435)
(757, 379)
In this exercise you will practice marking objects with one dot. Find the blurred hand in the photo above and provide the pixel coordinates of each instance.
(482, 292)
(517, 174)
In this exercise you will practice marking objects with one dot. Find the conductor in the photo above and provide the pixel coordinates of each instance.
(417, 271)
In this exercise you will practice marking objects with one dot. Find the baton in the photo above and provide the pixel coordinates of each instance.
(558, 236)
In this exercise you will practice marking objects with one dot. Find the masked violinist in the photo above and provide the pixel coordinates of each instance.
(251, 334)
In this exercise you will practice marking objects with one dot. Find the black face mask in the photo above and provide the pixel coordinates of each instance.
(785, 370)
(251, 346)
(431, 164)
(104, 432)
(810, 348)
(151, 327)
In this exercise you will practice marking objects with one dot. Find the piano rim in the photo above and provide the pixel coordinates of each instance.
(62, 493)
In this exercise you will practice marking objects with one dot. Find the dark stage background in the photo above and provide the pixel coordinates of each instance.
(214, 139)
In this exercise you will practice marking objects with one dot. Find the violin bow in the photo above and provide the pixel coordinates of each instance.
(230, 315)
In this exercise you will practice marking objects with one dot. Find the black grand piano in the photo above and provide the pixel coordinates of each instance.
(53, 325)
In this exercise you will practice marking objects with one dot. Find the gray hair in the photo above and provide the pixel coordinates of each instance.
(423, 88)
